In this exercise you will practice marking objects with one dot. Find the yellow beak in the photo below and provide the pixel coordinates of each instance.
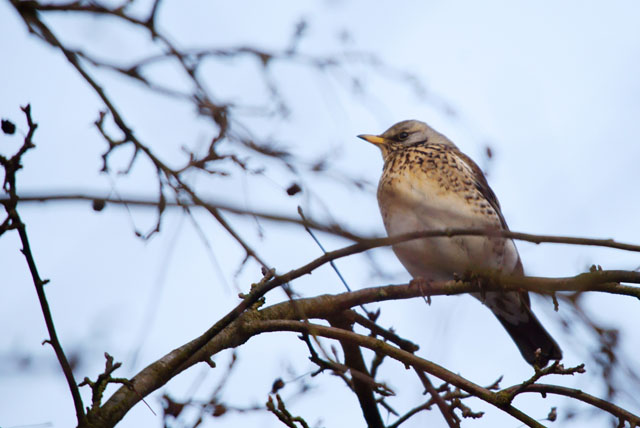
(373, 139)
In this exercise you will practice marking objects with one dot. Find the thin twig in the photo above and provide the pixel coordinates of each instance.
(382, 332)
(424, 406)
(144, 202)
(607, 406)
(366, 242)
(11, 166)
(28, 11)
(317, 241)
(447, 412)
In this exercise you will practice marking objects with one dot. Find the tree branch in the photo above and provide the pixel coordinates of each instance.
(365, 242)
(232, 331)
(399, 355)
(29, 13)
(238, 325)
(447, 412)
(11, 166)
(607, 406)
(354, 360)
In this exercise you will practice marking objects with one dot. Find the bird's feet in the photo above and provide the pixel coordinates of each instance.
(476, 280)
(422, 284)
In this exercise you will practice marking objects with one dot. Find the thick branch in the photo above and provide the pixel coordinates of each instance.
(231, 331)
(354, 360)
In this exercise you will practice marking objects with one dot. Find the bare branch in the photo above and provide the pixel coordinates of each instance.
(361, 387)
(232, 331)
(367, 242)
(11, 166)
(28, 11)
(249, 318)
(622, 414)
(283, 414)
(401, 356)
(447, 411)
(98, 387)
(555, 368)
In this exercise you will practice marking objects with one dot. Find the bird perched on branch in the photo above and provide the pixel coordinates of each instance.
(429, 184)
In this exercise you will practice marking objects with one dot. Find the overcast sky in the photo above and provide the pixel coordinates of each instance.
(552, 89)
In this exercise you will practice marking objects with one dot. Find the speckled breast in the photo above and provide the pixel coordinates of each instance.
(429, 188)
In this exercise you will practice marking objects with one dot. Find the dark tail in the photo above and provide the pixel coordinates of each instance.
(530, 336)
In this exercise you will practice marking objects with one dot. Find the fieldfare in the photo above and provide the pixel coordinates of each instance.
(429, 184)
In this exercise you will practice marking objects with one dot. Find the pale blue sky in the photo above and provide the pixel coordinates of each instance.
(554, 90)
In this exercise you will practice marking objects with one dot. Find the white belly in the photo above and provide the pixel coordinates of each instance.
(408, 209)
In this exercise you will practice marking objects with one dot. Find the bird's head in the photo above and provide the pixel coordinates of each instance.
(406, 134)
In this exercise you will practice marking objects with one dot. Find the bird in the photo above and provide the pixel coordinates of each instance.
(427, 183)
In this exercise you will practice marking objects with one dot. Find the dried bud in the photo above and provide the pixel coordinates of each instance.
(278, 384)
(8, 127)
(219, 410)
(293, 189)
(553, 415)
(98, 204)
(489, 152)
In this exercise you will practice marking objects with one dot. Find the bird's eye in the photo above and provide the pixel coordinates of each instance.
(403, 136)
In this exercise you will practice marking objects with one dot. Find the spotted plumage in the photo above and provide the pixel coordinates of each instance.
(429, 184)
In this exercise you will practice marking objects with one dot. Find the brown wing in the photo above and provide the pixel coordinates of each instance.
(480, 182)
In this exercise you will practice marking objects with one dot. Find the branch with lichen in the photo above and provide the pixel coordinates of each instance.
(242, 324)
(104, 379)
(280, 410)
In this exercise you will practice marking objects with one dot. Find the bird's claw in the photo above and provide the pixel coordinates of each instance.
(422, 283)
